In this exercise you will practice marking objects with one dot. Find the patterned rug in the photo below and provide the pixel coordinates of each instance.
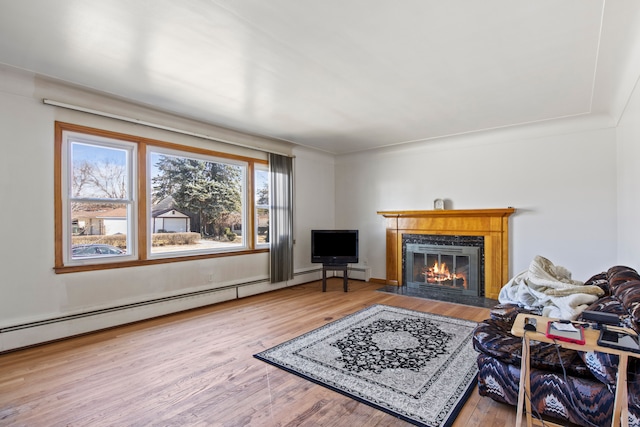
(420, 367)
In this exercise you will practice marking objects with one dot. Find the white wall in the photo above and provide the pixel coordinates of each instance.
(315, 200)
(560, 177)
(32, 292)
(628, 133)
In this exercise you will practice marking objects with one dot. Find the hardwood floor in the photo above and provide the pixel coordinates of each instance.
(197, 368)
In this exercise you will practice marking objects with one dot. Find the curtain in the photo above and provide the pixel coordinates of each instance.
(281, 224)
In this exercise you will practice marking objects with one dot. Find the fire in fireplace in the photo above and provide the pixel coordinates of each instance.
(448, 267)
(439, 274)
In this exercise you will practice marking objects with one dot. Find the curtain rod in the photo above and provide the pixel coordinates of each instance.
(155, 125)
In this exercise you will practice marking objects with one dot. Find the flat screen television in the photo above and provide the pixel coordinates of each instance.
(334, 246)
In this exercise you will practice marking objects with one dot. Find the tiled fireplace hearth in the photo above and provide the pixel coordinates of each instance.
(463, 251)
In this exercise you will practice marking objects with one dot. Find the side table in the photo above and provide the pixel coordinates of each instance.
(620, 407)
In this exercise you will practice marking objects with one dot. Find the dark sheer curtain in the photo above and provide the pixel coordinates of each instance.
(281, 233)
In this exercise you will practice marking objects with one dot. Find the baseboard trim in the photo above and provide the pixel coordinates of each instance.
(41, 331)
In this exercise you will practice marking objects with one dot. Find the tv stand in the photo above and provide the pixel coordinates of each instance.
(334, 267)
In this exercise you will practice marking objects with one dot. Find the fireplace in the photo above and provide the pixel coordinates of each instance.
(448, 263)
(492, 225)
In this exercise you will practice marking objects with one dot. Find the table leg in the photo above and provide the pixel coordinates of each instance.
(524, 390)
(621, 403)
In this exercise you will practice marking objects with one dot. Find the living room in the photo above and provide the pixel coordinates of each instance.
(573, 182)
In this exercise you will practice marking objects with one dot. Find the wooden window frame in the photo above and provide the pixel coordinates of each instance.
(140, 181)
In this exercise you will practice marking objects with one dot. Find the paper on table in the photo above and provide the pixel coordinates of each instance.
(567, 327)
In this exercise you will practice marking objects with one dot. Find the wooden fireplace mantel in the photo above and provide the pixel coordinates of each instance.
(492, 224)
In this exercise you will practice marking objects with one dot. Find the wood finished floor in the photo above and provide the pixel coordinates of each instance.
(197, 368)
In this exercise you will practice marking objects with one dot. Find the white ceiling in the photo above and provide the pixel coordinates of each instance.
(339, 75)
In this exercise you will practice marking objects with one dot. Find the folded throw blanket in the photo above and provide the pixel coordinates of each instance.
(550, 287)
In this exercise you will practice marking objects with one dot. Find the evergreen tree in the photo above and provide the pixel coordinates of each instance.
(208, 189)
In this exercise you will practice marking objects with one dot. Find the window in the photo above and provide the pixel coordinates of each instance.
(100, 199)
(262, 206)
(197, 203)
(124, 200)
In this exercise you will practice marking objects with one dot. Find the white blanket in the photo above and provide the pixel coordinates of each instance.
(550, 287)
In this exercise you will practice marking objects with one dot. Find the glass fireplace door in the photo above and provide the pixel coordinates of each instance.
(448, 267)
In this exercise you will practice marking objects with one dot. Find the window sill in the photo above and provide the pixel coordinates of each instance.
(137, 263)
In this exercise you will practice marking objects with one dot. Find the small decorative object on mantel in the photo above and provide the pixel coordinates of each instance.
(438, 204)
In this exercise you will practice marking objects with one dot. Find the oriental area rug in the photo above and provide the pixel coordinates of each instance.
(420, 367)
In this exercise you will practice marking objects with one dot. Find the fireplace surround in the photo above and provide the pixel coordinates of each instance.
(490, 224)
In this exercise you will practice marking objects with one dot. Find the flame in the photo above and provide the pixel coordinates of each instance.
(440, 274)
